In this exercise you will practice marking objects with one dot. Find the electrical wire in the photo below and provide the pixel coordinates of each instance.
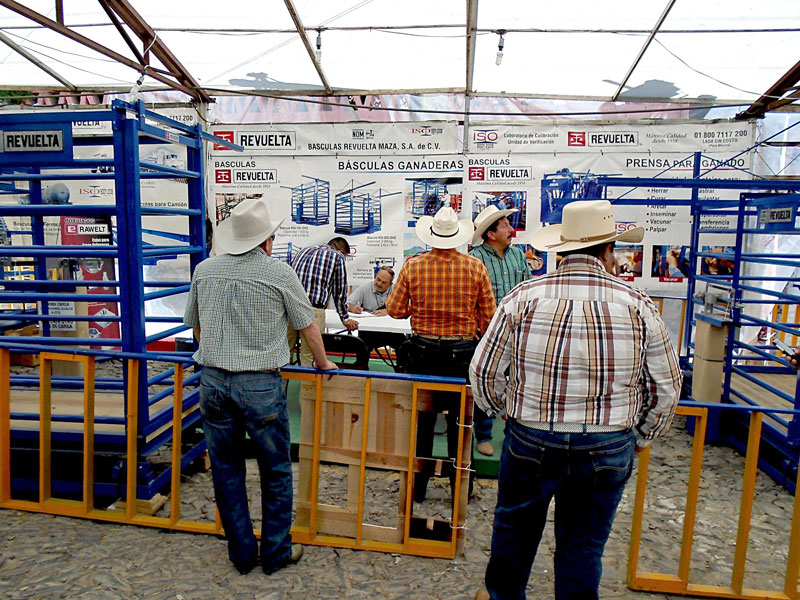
(711, 77)
(292, 39)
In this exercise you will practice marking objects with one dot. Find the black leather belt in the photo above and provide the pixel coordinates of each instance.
(321, 306)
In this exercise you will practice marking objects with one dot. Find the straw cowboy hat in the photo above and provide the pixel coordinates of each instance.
(484, 220)
(444, 230)
(247, 227)
(584, 223)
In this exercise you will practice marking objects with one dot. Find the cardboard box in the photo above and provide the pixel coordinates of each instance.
(710, 340)
(707, 379)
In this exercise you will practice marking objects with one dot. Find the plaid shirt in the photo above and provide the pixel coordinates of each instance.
(321, 270)
(506, 271)
(580, 346)
(445, 293)
(242, 304)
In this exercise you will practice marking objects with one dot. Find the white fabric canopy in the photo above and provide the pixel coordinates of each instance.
(723, 49)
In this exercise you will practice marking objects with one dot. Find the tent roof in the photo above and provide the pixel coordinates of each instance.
(717, 49)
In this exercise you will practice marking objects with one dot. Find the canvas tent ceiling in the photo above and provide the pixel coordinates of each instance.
(712, 49)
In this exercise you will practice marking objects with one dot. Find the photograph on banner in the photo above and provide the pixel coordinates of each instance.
(629, 261)
(670, 263)
(720, 264)
(369, 201)
(426, 195)
(537, 260)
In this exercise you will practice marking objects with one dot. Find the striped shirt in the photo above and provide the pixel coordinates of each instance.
(242, 304)
(580, 346)
(444, 292)
(506, 271)
(321, 270)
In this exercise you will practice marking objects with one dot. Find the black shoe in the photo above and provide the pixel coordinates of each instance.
(294, 558)
(246, 568)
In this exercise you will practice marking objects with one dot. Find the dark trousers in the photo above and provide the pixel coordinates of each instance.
(252, 403)
(445, 358)
(586, 473)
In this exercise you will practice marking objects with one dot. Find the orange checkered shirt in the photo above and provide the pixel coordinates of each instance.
(444, 292)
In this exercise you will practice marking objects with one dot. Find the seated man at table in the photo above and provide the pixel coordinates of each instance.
(371, 298)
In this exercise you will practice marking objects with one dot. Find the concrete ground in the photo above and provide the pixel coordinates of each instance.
(43, 556)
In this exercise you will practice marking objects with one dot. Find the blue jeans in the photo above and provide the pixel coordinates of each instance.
(482, 425)
(586, 472)
(253, 402)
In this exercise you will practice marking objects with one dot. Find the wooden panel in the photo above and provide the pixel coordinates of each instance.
(67, 402)
(386, 446)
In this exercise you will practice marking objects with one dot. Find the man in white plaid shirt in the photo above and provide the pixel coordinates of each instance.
(581, 364)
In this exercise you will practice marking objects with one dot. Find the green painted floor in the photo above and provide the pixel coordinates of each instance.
(486, 466)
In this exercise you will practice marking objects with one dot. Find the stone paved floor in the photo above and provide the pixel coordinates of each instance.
(42, 556)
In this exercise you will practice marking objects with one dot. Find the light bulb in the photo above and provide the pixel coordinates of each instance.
(500, 45)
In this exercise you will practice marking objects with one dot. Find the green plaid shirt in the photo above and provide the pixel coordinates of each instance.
(242, 304)
(505, 272)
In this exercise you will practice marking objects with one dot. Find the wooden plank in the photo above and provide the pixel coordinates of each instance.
(68, 402)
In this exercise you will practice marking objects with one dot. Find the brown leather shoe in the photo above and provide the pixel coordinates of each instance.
(482, 595)
(486, 448)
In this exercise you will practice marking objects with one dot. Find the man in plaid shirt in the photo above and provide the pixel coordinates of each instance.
(239, 305)
(448, 296)
(581, 364)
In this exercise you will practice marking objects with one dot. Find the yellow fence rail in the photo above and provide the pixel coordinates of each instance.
(670, 583)
(679, 583)
(84, 508)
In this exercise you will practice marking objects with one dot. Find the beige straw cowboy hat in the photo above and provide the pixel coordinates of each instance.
(247, 227)
(484, 220)
(584, 223)
(444, 230)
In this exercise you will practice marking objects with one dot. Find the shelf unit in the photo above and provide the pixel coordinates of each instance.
(24, 176)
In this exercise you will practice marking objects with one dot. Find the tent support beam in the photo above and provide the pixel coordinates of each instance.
(28, 56)
(472, 24)
(115, 20)
(89, 43)
(149, 37)
(647, 43)
(773, 97)
(301, 31)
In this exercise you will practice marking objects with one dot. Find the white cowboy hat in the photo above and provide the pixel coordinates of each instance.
(444, 230)
(484, 220)
(247, 226)
(584, 223)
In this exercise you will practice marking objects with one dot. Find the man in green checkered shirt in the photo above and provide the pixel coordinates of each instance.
(239, 306)
(507, 267)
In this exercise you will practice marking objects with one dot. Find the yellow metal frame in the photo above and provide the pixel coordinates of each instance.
(85, 509)
(679, 583)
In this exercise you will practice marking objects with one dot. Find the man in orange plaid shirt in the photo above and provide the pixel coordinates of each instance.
(449, 297)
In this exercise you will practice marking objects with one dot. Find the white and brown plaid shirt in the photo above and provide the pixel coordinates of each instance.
(579, 346)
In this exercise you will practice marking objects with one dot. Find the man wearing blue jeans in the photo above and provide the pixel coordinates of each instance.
(581, 363)
(239, 305)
